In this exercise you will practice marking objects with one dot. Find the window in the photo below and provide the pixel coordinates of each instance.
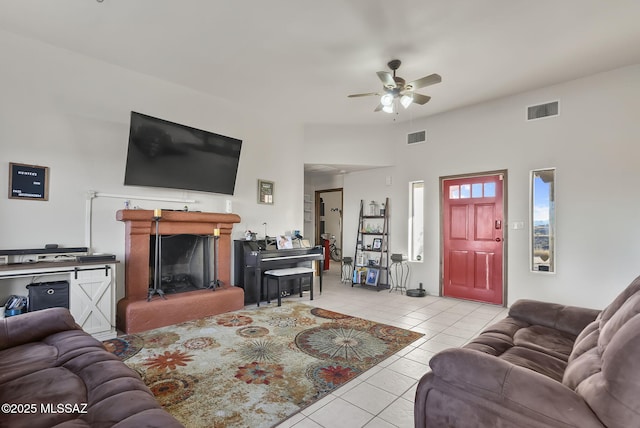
(466, 191)
(416, 221)
(543, 214)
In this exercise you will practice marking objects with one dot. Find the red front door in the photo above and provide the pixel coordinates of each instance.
(473, 238)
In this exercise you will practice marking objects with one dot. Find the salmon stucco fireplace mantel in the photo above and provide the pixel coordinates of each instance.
(134, 312)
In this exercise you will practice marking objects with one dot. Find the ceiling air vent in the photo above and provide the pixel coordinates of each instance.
(417, 137)
(542, 110)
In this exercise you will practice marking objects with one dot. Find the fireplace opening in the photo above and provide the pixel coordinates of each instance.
(185, 262)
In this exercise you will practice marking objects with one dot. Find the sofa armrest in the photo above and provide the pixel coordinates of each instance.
(34, 326)
(570, 319)
(506, 385)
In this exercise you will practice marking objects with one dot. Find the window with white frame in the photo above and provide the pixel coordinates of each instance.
(416, 221)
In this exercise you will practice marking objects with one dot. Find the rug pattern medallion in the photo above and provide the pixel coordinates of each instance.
(255, 367)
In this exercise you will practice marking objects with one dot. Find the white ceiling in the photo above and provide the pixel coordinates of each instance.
(301, 58)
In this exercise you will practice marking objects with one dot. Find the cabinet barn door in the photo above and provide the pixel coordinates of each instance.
(91, 300)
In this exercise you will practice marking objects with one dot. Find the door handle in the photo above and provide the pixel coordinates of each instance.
(498, 239)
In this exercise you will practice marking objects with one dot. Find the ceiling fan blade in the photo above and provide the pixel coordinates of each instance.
(362, 95)
(379, 108)
(387, 79)
(421, 99)
(431, 79)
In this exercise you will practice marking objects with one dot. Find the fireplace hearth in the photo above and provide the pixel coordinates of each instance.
(190, 267)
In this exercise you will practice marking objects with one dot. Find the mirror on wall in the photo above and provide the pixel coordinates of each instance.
(543, 215)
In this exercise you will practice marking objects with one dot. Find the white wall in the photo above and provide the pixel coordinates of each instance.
(349, 144)
(71, 113)
(593, 145)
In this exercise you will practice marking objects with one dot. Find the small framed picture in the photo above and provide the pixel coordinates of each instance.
(265, 192)
(372, 276)
(28, 182)
(377, 243)
(284, 242)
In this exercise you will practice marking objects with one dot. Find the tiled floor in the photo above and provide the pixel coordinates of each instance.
(383, 396)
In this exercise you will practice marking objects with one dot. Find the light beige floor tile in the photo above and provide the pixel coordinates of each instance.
(399, 413)
(420, 355)
(410, 368)
(369, 398)
(379, 423)
(391, 381)
(461, 332)
(341, 414)
(449, 339)
(435, 347)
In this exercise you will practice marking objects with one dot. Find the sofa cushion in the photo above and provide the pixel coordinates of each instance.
(542, 349)
(537, 361)
(546, 340)
(25, 359)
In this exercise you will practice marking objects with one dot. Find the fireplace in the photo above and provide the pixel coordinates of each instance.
(190, 258)
(185, 262)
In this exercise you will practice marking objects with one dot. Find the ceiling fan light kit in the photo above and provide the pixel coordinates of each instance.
(406, 100)
(386, 100)
(395, 88)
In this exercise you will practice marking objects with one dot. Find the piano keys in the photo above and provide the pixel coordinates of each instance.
(251, 259)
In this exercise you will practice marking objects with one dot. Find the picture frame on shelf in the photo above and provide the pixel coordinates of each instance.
(372, 277)
(377, 243)
(284, 242)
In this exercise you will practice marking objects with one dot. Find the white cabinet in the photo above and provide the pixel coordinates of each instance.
(91, 291)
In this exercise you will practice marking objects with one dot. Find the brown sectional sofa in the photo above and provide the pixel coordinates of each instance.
(53, 374)
(545, 365)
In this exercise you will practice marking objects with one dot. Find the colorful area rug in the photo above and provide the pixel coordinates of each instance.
(257, 367)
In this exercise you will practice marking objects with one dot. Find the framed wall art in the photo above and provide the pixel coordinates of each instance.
(265, 192)
(28, 182)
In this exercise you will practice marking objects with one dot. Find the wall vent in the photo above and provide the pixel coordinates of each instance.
(542, 110)
(417, 137)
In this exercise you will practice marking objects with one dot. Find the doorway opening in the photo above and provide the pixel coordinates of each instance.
(329, 221)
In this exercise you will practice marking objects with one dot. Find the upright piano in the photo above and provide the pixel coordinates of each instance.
(253, 258)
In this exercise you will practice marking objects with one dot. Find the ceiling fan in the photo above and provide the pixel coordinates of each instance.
(396, 87)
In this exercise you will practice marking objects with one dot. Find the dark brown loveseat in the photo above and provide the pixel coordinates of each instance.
(545, 365)
(53, 374)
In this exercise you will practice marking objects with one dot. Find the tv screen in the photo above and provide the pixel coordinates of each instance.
(166, 154)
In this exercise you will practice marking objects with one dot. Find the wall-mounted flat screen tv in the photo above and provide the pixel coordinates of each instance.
(166, 154)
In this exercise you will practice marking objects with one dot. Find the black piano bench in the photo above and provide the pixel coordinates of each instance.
(289, 273)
